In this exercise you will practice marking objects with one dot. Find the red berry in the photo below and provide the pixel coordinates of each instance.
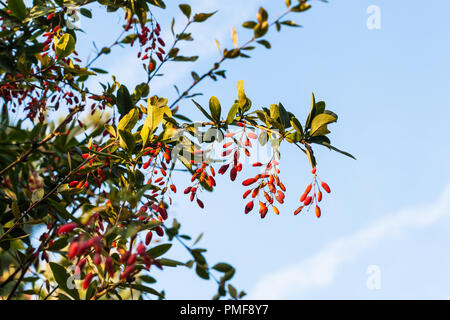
(307, 201)
(87, 280)
(326, 187)
(141, 249)
(249, 207)
(318, 212)
(68, 227)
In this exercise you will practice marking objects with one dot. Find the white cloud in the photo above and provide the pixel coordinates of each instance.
(320, 269)
(129, 69)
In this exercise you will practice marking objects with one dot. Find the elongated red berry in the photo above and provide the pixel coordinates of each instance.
(126, 272)
(73, 249)
(109, 266)
(299, 209)
(249, 207)
(85, 155)
(318, 212)
(68, 227)
(159, 231)
(307, 201)
(200, 203)
(87, 280)
(148, 238)
(246, 193)
(233, 173)
(73, 184)
(319, 196)
(131, 259)
(326, 187)
(97, 259)
(141, 249)
(248, 182)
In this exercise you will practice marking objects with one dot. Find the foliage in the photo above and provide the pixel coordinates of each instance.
(97, 194)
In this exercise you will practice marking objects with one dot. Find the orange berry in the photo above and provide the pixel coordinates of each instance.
(318, 212)
(249, 207)
(299, 209)
(326, 187)
(275, 209)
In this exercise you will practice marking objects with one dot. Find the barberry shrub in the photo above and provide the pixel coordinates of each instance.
(85, 206)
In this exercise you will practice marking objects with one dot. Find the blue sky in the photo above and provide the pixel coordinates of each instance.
(390, 208)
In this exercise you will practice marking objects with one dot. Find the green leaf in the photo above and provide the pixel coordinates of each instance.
(158, 251)
(297, 126)
(186, 9)
(142, 288)
(312, 113)
(261, 29)
(37, 195)
(201, 272)
(127, 141)
(61, 277)
(262, 15)
(326, 144)
(124, 102)
(284, 116)
(200, 17)
(232, 113)
(170, 263)
(15, 210)
(85, 12)
(128, 122)
(147, 279)
(321, 121)
(215, 108)
(233, 292)
(157, 3)
(222, 267)
(241, 93)
(184, 59)
(265, 43)
(249, 24)
(110, 129)
(202, 110)
(64, 46)
(18, 9)
(155, 115)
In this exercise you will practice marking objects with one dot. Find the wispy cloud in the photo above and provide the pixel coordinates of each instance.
(129, 69)
(320, 269)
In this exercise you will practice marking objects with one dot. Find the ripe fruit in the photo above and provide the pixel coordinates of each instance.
(131, 259)
(248, 182)
(307, 201)
(97, 259)
(249, 207)
(318, 212)
(141, 249)
(148, 238)
(319, 196)
(73, 184)
(325, 187)
(246, 193)
(275, 209)
(65, 228)
(233, 174)
(299, 209)
(200, 203)
(87, 280)
(159, 231)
